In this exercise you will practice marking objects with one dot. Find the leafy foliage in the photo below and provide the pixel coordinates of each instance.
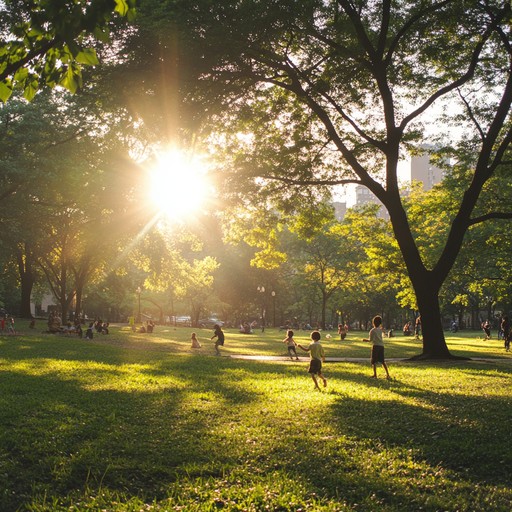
(45, 42)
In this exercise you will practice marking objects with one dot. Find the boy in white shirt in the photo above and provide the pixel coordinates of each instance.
(377, 346)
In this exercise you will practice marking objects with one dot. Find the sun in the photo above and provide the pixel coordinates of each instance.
(179, 185)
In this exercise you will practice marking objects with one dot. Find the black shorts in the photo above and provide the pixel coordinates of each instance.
(377, 354)
(315, 366)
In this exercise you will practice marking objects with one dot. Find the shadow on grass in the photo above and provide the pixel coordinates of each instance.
(466, 434)
(170, 418)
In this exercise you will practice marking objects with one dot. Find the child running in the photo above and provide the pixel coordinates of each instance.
(317, 353)
(219, 334)
(290, 345)
(375, 337)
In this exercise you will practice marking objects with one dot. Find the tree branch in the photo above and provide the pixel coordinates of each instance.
(12, 67)
(489, 216)
(471, 116)
(295, 181)
(468, 75)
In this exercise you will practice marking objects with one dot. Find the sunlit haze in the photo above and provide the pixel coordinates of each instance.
(179, 185)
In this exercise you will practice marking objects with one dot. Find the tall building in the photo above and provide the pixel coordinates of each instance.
(364, 196)
(424, 171)
(340, 209)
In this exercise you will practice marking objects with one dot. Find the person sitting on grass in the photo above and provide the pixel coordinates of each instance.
(375, 337)
(317, 354)
(195, 341)
(89, 334)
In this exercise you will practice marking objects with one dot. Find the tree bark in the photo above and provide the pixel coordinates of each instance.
(433, 339)
(27, 280)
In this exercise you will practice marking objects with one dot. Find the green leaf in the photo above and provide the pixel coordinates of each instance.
(5, 90)
(21, 75)
(122, 7)
(126, 8)
(70, 80)
(30, 90)
(88, 57)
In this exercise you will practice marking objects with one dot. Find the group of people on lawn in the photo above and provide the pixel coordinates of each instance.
(316, 350)
(55, 326)
(504, 331)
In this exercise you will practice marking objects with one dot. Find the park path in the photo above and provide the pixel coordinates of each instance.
(362, 359)
(303, 359)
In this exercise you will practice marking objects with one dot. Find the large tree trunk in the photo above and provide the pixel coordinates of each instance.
(324, 309)
(434, 342)
(27, 280)
(78, 303)
(426, 286)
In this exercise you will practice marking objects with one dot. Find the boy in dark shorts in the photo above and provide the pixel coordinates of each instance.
(219, 334)
(377, 347)
(316, 351)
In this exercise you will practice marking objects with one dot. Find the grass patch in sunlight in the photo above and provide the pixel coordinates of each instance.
(144, 422)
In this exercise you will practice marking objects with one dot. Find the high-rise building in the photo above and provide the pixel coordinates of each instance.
(340, 209)
(364, 196)
(424, 171)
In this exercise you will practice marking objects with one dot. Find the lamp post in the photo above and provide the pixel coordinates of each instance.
(261, 289)
(274, 305)
(138, 290)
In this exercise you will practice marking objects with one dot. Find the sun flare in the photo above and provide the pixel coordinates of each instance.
(179, 185)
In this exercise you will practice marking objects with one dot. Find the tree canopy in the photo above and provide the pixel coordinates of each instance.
(47, 42)
(315, 94)
(293, 98)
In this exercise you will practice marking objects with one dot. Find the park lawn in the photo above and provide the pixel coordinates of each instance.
(466, 344)
(143, 422)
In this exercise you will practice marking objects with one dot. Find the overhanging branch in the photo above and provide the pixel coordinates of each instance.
(490, 216)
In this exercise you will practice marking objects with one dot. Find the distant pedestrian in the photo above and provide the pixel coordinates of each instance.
(417, 327)
(10, 327)
(486, 326)
(375, 338)
(219, 334)
(317, 354)
(290, 345)
(195, 341)
(342, 332)
(505, 329)
(131, 322)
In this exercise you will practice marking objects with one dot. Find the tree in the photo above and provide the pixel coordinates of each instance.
(47, 42)
(328, 93)
(323, 257)
(69, 181)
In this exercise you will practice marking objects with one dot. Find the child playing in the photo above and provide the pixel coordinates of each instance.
(377, 347)
(219, 334)
(195, 341)
(290, 345)
(317, 354)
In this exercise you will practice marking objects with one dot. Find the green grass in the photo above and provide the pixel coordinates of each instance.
(143, 422)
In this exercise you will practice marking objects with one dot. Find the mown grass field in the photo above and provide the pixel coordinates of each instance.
(137, 422)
